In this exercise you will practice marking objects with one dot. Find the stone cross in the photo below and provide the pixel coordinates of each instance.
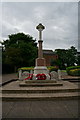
(40, 28)
(40, 61)
(40, 66)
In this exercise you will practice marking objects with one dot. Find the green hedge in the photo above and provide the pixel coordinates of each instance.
(26, 68)
(73, 70)
(50, 68)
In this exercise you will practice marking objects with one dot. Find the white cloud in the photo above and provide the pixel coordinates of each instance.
(60, 21)
(39, 13)
(40, 0)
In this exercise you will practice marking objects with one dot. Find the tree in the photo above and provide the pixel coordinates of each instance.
(61, 57)
(66, 57)
(71, 56)
(19, 50)
(78, 58)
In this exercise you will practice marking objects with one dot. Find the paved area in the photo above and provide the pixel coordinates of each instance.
(7, 77)
(40, 109)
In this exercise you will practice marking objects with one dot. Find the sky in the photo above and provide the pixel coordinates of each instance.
(59, 18)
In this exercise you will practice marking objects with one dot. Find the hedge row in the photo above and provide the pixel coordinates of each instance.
(73, 70)
(50, 68)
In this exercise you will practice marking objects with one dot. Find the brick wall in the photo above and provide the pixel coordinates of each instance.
(49, 58)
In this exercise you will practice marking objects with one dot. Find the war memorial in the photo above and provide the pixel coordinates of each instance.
(39, 84)
(40, 80)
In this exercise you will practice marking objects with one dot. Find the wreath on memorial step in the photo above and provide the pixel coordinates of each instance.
(38, 77)
(30, 77)
(41, 76)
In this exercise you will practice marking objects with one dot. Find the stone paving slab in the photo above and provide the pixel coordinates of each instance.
(40, 109)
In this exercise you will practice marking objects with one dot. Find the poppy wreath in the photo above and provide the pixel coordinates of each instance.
(30, 77)
(41, 76)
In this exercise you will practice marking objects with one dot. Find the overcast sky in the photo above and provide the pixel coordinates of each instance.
(59, 18)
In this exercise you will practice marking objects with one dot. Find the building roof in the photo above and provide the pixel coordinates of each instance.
(49, 52)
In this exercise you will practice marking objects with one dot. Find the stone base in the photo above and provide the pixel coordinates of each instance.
(41, 69)
(40, 62)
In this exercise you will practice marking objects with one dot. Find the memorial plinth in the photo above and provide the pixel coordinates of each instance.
(40, 65)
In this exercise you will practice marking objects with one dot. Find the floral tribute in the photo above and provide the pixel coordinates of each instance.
(38, 77)
(41, 76)
(29, 77)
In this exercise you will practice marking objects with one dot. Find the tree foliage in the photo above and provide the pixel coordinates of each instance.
(66, 57)
(19, 50)
(78, 59)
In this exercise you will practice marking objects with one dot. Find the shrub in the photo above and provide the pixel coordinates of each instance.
(73, 70)
(26, 68)
(52, 68)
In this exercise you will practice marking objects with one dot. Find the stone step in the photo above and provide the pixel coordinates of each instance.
(41, 96)
(13, 91)
(41, 90)
(40, 81)
(23, 84)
